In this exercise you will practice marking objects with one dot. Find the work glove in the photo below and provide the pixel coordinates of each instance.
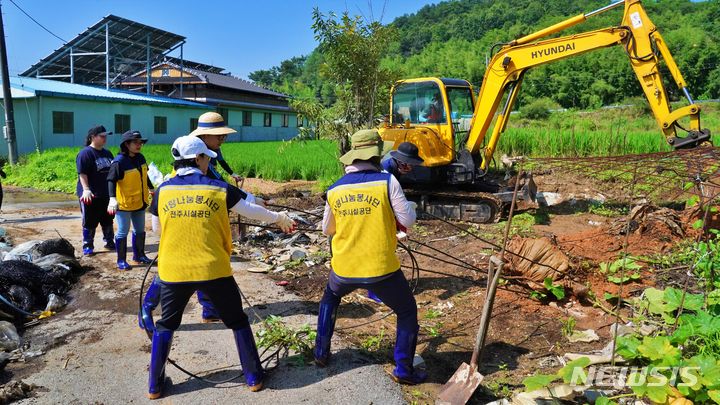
(412, 205)
(112, 206)
(261, 202)
(285, 223)
(87, 196)
(238, 178)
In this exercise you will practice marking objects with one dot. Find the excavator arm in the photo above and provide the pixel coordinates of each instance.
(642, 43)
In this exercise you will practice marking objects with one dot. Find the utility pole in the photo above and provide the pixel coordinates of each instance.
(7, 97)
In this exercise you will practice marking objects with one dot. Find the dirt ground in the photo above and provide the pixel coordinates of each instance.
(525, 337)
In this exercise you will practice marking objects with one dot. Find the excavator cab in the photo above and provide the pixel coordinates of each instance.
(434, 114)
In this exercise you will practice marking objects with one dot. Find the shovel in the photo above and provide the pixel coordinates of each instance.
(461, 386)
(238, 230)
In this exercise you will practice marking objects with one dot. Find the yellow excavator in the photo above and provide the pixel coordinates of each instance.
(449, 125)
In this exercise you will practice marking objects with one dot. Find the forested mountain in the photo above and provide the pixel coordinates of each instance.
(454, 39)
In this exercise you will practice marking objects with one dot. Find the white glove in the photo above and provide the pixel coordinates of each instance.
(412, 205)
(112, 206)
(259, 201)
(87, 196)
(285, 223)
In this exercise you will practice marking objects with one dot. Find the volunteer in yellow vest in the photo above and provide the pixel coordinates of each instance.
(129, 189)
(360, 214)
(191, 210)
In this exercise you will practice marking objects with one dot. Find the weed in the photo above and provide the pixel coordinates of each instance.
(622, 270)
(433, 313)
(521, 225)
(568, 326)
(604, 210)
(373, 343)
(292, 264)
(420, 230)
(275, 333)
(434, 330)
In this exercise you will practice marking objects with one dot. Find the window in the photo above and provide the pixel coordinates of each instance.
(122, 123)
(419, 102)
(299, 120)
(224, 113)
(267, 120)
(161, 125)
(193, 124)
(286, 120)
(247, 118)
(62, 122)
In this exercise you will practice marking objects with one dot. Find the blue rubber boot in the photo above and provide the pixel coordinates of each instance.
(138, 247)
(161, 343)
(88, 241)
(404, 372)
(325, 329)
(249, 358)
(209, 314)
(150, 302)
(108, 237)
(121, 249)
(374, 297)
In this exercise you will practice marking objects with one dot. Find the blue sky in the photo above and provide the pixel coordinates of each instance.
(241, 36)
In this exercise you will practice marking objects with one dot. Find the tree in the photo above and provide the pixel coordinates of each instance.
(353, 50)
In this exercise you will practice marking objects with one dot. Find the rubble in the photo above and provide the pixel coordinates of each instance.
(33, 272)
(9, 338)
(646, 217)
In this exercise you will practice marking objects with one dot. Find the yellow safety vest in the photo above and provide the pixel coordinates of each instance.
(196, 241)
(364, 242)
(132, 190)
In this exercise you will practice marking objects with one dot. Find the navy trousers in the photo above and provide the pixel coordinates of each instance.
(224, 293)
(394, 292)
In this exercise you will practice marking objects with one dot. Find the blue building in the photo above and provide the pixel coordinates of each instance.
(50, 114)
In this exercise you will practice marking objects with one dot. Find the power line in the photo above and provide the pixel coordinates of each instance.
(36, 21)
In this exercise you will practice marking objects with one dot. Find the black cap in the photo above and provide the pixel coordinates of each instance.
(97, 130)
(132, 135)
(407, 153)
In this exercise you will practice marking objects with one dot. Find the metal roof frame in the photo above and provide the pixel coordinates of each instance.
(111, 49)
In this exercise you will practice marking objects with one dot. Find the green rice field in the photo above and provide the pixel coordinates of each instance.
(612, 131)
(54, 170)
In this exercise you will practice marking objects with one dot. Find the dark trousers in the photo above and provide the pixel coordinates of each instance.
(96, 213)
(224, 293)
(394, 292)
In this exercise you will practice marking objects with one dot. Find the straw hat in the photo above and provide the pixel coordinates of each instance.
(365, 144)
(212, 123)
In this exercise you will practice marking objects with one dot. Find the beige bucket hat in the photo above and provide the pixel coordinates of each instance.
(212, 123)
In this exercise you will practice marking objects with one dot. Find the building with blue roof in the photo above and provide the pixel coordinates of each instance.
(50, 114)
(141, 88)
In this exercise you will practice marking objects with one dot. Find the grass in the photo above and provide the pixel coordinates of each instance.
(54, 170)
(615, 131)
(601, 132)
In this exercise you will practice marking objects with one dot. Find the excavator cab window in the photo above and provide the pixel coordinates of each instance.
(421, 103)
(461, 112)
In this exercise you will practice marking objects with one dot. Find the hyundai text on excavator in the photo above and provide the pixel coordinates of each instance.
(450, 125)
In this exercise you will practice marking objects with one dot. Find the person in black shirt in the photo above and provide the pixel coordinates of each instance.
(93, 164)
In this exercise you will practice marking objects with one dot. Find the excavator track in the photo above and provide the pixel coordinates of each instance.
(471, 206)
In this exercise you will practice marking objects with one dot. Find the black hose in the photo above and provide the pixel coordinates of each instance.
(16, 308)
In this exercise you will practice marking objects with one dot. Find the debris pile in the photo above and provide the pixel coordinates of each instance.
(35, 274)
(278, 252)
(647, 218)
